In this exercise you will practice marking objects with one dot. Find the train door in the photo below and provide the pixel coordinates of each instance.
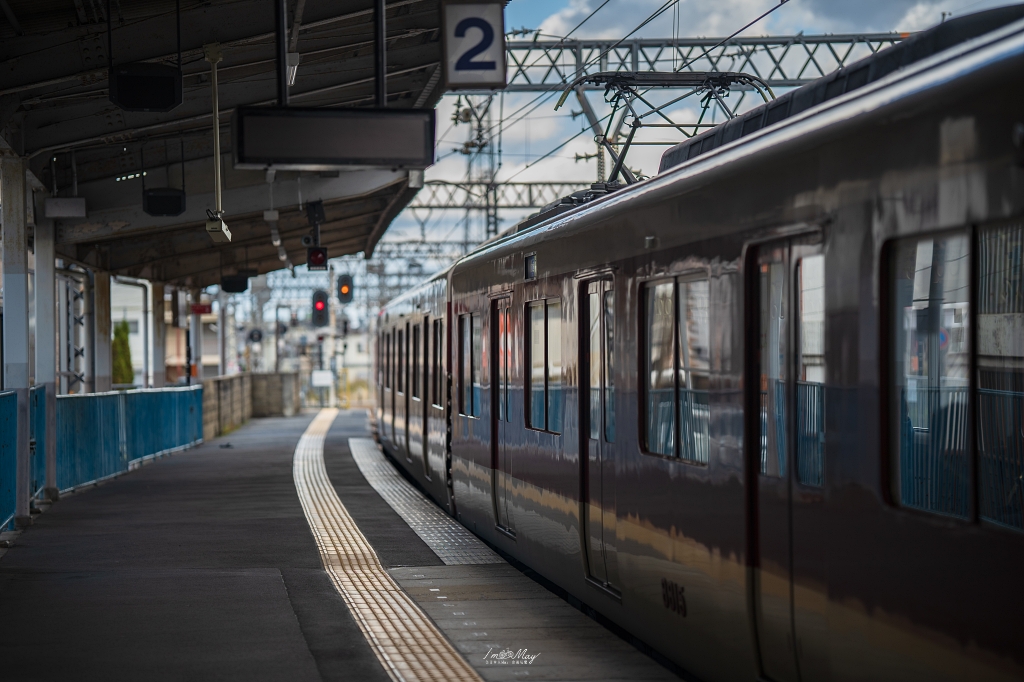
(501, 457)
(780, 379)
(597, 419)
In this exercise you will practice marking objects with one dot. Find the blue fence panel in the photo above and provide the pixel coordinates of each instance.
(160, 420)
(88, 438)
(810, 443)
(37, 427)
(8, 461)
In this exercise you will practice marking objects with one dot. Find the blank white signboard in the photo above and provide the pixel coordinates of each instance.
(474, 45)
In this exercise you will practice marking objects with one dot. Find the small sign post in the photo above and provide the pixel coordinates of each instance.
(474, 44)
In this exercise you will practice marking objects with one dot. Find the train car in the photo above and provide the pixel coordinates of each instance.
(765, 410)
(412, 361)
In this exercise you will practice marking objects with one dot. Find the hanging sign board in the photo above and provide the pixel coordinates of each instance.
(295, 138)
(474, 44)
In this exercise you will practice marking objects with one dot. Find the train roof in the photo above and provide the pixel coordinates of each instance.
(846, 79)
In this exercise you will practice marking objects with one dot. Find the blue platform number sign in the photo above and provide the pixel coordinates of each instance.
(474, 45)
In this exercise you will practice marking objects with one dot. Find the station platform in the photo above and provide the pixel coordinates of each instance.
(288, 549)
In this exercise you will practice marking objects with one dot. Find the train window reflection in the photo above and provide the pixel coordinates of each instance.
(931, 373)
(414, 373)
(465, 365)
(774, 291)
(535, 314)
(400, 364)
(694, 368)
(544, 358)
(477, 380)
(1000, 339)
(810, 387)
(609, 370)
(660, 368)
(554, 352)
(594, 309)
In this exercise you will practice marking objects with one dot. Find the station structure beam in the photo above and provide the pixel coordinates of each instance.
(45, 290)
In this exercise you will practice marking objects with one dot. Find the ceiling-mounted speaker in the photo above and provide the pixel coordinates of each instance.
(145, 87)
(163, 201)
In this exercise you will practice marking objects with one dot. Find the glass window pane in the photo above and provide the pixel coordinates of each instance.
(387, 361)
(478, 359)
(695, 363)
(401, 362)
(554, 349)
(931, 358)
(535, 312)
(594, 354)
(660, 368)
(415, 355)
(774, 348)
(465, 367)
(1001, 374)
(810, 387)
(609, 374)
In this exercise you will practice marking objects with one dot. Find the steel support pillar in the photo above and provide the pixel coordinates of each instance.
(103, 360)
(16, 336)
(46, 338)
(159, 337)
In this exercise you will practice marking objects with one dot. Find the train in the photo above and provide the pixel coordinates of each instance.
(764, 411)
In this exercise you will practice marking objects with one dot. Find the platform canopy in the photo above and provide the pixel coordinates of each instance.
(55, 110)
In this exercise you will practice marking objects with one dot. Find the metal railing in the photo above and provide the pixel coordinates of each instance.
(8, 455)
(100, 435)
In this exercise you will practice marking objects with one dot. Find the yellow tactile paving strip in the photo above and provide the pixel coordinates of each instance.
(404, 639)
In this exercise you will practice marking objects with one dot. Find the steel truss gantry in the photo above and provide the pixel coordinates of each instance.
(441, 194)
(780, 61)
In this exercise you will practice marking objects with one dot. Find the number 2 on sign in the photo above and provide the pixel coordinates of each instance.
(466, 62)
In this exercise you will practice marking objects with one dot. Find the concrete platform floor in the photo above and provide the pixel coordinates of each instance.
(201, 566)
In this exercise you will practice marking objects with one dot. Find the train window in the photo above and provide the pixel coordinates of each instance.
(1000, 374)
(414, 355)
(810, 388)
(465, 365)
(544, 358)
(535, 315)
(470, 369)
(554, 351)
(609, 385)
(437, 374)
(504, 332)
(660, 368)
(594, 309)
(694, 367)
(387, 361)
(774, 346)
(400, 362)
(426, 359)
(930, 295)
(477, 331)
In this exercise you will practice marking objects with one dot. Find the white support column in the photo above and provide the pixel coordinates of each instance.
(102, 357)
(222, 337)
(195, 330)
(16, 338)
(159, 336)
(46, 337)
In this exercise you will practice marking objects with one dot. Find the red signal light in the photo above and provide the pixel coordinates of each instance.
(319, 305)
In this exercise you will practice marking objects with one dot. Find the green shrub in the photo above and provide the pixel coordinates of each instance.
(122, 351)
